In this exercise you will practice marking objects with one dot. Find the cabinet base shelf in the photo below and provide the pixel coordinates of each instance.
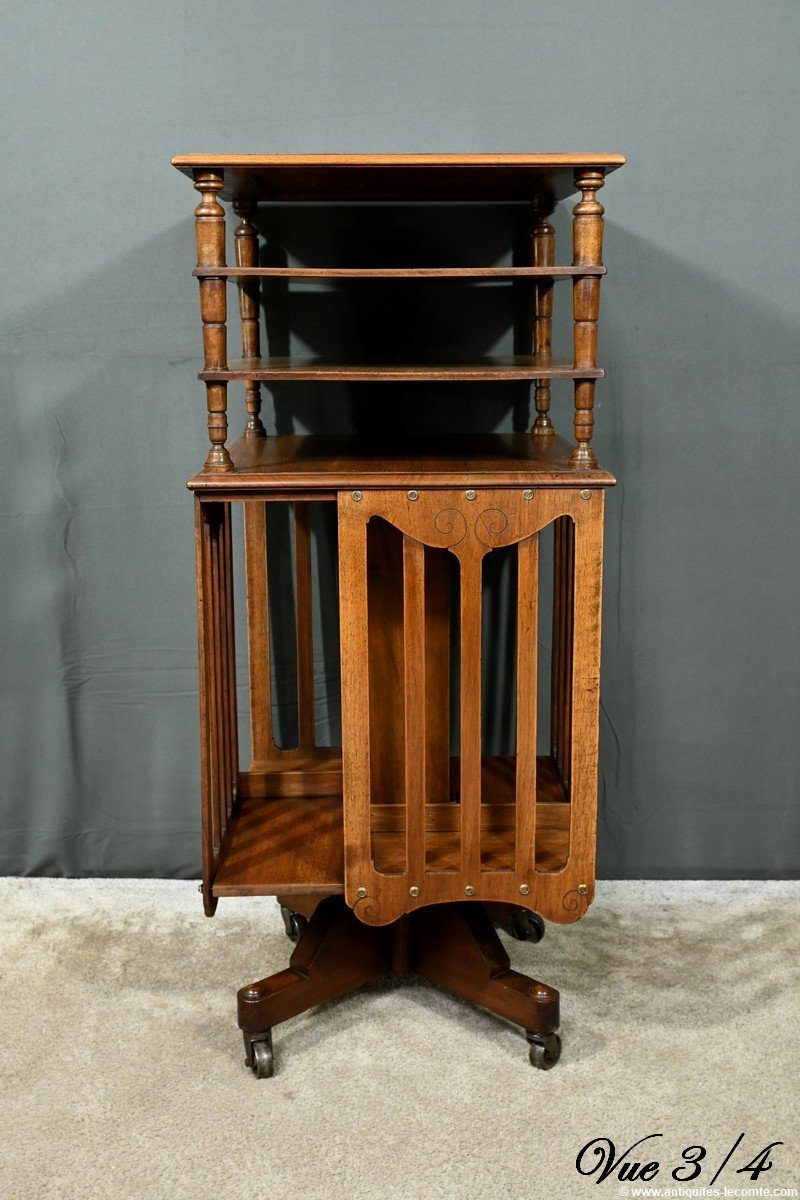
(284, 844)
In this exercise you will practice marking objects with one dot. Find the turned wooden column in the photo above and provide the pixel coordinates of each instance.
(245, 239)
(587, 246)
(209, 225)
(543, 256)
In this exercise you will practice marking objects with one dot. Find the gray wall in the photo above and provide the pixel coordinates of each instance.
(102, 421)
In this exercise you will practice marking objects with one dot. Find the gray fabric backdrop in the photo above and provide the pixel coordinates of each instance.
(103, 422)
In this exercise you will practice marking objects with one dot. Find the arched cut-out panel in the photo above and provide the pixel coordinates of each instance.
(422, 825)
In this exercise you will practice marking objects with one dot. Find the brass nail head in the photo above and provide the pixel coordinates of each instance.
(413, 891)
(527, 494)
(585, 494)
(356, 495)
(583, 889)
(412, 495)
(469, 891)
(524, 889)
(361, 893)
(471, 494)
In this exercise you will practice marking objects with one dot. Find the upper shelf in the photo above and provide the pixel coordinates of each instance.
(397, 272)
(454, 177)
(495, 367)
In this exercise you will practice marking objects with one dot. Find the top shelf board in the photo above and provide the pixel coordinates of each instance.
(404, 177)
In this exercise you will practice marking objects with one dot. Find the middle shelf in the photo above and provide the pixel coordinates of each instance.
(495, 367)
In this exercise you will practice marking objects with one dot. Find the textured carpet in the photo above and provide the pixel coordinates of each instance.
(123, 1070)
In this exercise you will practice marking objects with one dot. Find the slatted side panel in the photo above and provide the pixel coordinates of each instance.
(218, 719)
(406, 846)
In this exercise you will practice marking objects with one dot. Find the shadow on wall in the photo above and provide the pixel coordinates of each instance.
(697, 417)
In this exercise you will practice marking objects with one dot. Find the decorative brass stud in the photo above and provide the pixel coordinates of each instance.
(412, 495)
(471, 494)
(413, 891)
(356, 495)
(524, 889)
(583, 888)
(469, 890)
(362, 893)
(527, 494)
(585, 494)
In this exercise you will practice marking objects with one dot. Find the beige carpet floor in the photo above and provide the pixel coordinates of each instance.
(123, 1075)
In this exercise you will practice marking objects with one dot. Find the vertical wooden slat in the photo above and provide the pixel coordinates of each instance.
(562, 638)
(527, 678)
(215, 760)
(556, 644)
(565, 735)
(437, 675)
(258, 652)
(470, 662)
(208, 707)
(354, 644)
(585, 686)
(304, 627)
(220, 683)
(414, 692)
(230, 650)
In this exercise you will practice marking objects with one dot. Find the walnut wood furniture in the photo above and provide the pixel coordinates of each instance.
(402, 850)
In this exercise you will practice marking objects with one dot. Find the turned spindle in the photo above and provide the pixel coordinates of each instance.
(209, 225)
(543, 256)
(245, 240)
(587, 245)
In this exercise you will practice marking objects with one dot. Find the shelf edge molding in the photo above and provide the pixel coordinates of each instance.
(497, 369)
(552, 272)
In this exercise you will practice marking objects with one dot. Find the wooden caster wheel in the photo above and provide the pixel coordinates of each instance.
(294, 923)
(260, 1058)
(545, 1050)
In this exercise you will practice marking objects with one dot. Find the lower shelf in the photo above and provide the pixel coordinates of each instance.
(283, 846)
(292, 845)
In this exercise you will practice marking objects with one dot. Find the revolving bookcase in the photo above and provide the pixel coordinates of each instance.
(403, 849)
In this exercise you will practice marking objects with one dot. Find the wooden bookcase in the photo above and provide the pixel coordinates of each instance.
(403, 849)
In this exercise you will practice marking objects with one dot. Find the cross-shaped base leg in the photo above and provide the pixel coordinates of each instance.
(452, 945)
